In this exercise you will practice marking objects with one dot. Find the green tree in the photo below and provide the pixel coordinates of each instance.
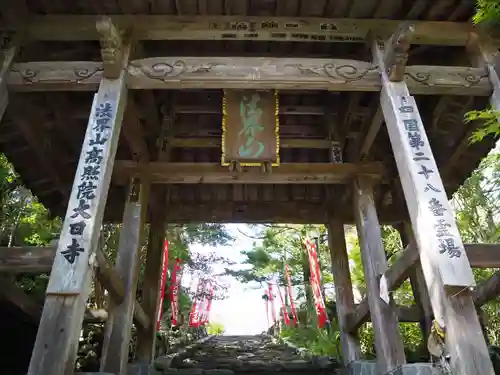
(487, 16)
(215, 328)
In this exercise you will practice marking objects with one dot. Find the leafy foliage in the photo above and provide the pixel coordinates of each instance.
(26, 222)
(477, 213)
(487, 16)
(215, 328)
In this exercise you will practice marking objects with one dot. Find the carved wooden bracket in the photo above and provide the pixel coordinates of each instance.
(396, 51)
(112, 50)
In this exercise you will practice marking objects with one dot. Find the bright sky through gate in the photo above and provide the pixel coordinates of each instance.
(242, 312)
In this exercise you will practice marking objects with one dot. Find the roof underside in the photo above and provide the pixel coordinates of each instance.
(58, 119)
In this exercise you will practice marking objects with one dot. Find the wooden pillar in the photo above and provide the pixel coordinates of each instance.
(69, 285)
(119, 325)
(344, 297)
(446, 269)
(154, 259)
(417, 281)
(7, 58)
(388, 342)
(152, 277)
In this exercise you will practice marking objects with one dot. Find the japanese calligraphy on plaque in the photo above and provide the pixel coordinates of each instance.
(433, 213)
(250, 127)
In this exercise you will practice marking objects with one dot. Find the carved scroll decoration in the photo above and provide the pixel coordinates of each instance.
(248, 73)
(58, 73)
(449, 75)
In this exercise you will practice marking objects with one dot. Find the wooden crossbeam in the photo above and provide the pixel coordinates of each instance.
(308, 110)
(213, 173)
(247, 72)
(32, 308)
(485, 292)
(216, 142)
(162, 27)
(480, 256)
(36, 260)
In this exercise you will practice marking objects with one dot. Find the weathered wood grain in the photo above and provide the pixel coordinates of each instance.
(118, 330)
(417, 282)
(7, 57)
(484, 54)
(212, 173)
(248, 72)
(110, 279)
(216, 142)
(448, 279)
(69, 285)
(146, 336)
(326, 30)
(487, 290)
(35, 260)
(343, 289)
(17, 297)
(388, 341)
(422, 185)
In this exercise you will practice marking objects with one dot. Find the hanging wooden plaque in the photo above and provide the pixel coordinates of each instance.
(250, 127)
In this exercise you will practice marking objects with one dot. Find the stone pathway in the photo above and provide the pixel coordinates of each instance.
(229, 355)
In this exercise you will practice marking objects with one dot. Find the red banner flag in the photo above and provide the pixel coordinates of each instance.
(319, 302)
(208, 304)
(266, 303)
(174, 292)
(271, 302)
(290, 294)
(284, 309)
(164, 268)
(194, 317)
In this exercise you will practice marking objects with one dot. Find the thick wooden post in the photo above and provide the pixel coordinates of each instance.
(146, 338)
(152, 278)
(119, 325)
(388, 342)
(69, 285)
(344, 297)
(417, 281)
(7, 57)
(447, 271)
(70, 279)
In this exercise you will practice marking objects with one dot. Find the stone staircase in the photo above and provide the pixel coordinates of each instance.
(230, 355)
(257, 355)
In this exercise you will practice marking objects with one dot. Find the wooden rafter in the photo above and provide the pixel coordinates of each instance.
(39, 143)
(161, 27)
(240, 72)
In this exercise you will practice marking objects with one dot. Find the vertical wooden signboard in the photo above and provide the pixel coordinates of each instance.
(431, 213)
(81, 228)
(250, 127)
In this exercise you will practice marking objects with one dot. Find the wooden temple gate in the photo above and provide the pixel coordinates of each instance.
(304, 142)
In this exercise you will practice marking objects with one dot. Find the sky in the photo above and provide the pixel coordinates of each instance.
(242, 312)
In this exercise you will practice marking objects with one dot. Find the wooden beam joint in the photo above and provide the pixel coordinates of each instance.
(112, 50)
(396, 51)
